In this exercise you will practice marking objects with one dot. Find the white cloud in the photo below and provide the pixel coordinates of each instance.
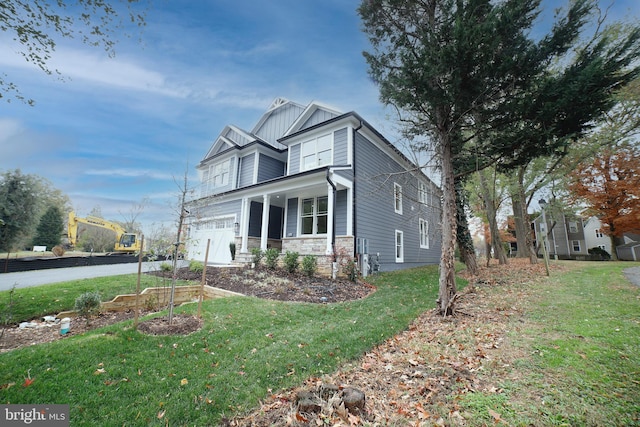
(129, 173)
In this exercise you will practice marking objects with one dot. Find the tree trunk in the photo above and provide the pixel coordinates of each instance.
(464, 239)
(614, 254)
(521, 219)
(490, 207)
(447, 283)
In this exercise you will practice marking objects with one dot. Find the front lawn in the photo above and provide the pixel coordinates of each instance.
(247, 349)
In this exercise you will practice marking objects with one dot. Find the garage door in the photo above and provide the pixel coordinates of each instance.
(220, 231)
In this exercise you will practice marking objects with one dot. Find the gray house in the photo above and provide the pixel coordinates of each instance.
(565, 236)
(313, 180)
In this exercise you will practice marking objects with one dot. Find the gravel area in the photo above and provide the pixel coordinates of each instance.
(633, 274)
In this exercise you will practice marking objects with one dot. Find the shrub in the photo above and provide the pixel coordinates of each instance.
(271, 258)
(309, 265)
(232, 249)
(291, 262)
(196, 266)
(165, 267)
(599, 252)
(257, 255)
(88, 304)
(347, 263)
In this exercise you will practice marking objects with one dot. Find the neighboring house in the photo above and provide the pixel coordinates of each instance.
(565, 238)
(594, 236)
(572, 237)
(312, 180)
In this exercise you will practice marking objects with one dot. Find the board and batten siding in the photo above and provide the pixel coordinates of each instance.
(377, 220)
(318, 116)
(278, 123)
(269, 168)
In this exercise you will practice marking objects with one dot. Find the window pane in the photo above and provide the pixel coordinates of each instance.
(307, 225)
(324, 143)
(322, 224)
(324, 158)
(307, 207)
(323, 205)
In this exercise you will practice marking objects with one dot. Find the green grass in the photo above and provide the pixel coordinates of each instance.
(33, 302)
(247, 348)
(582, 338)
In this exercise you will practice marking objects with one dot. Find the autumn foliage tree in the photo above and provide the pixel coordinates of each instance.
(609, 186)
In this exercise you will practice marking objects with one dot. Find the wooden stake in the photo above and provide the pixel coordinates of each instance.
(204, 279)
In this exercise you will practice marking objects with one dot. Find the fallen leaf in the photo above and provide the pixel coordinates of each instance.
(161, 414)
(301, 418)
(99, 371)
(27, 382)
(184, 381)
(496, 416)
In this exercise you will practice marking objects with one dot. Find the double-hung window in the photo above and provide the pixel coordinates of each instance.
(599, 234)
(316, 152)
(315, 212)
(424, 233)
(422, 193)
(399, 246)
(397, 198)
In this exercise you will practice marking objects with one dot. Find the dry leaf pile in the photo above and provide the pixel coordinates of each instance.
(417, 377)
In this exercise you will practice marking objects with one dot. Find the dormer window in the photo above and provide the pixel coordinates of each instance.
(316, 152)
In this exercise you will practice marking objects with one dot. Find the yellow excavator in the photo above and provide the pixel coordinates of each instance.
(125, 242)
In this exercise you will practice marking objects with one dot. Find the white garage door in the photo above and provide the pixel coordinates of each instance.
(220, 231)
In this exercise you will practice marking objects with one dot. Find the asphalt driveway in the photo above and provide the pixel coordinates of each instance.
(55, 275)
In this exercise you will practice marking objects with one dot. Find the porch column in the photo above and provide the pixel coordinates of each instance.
(264, 233)
(244, 225)
(330, 215)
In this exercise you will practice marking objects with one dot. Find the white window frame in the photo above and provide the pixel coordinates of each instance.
(314, 215)
(317, 153)
(220, 173)
(574, 244)
(424, 233)
(422, 193)
(399, 245)
(599, 233)
(397, 198)
(573, 226)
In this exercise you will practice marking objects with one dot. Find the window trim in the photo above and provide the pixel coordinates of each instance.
(423, 230)
(314, 215)
(422, 193)
(399, 244)
(573, 246)
(316, 163)
(397, 198)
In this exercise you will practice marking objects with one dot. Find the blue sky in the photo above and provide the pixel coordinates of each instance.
(118, 130)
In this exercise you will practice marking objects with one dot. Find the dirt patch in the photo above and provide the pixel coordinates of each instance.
(41, 332)
(180, 325)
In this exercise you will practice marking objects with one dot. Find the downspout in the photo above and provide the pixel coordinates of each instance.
(333, 215)
(353, 187)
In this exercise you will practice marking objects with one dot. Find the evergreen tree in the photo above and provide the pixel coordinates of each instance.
(49, 231)
(467, 74)
(17, 207)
